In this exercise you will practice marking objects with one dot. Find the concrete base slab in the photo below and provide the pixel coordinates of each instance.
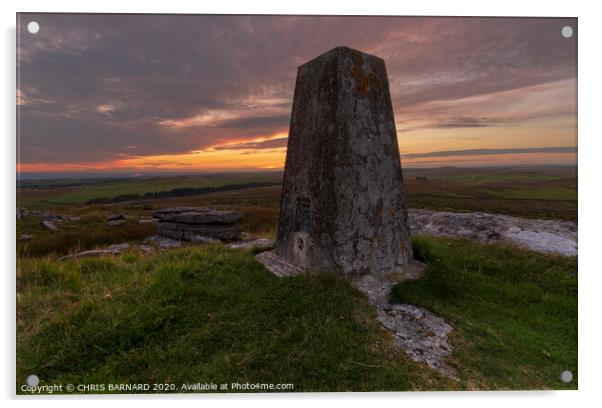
(276, 265)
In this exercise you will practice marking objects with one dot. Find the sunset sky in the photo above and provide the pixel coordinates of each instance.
(146, 93)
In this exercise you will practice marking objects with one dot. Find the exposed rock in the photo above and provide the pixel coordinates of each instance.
(163, 242)
(22, 212)
(259, 243)
(186, 232)
(199, 239)
(75, 218)
(147, 220)
(197, 224)
(115, 217)
(547, 236)
(118, 247)
(420, 333)
(542, 241)
(92, 252)
(147, 249)
(113, 223)
(176, 210)
(46, 216)
(49, 226)
(198, 215)
(25, 237)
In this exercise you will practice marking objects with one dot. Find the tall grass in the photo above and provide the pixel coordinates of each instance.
(83, 238)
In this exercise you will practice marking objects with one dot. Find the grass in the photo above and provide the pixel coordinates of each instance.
(202, 315)
(259, 207)
(91, 231)
(514, 311)
(537, 209)
(215, 315)
(536, 192)
(80, 239)
(68, 195)
(550, 193)
(486, 175)
(502, 177)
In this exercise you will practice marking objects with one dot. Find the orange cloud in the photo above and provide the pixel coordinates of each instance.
(225, 156)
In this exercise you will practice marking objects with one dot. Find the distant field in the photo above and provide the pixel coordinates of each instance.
(443, 188)
(64, 192)
(548, 193)
(544, 192)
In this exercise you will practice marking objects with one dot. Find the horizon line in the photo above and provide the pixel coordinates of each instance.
(138, 173)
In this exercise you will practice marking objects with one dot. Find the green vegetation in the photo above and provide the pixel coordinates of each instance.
(80, 238)
(549, 193)
(259, 207)
(517, 192)
(44, 193)
(514, 311)
(537, 192)
(216, 315)
(202, 315)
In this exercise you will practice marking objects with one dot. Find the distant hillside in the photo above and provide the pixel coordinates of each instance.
(179, 192)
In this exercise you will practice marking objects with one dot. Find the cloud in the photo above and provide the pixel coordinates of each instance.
(92, 84)
(266, 144)
(466, 122)
(275, 121)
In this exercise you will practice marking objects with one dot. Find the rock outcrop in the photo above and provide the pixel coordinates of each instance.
(252, 243)
(49, 226)
(423, 335)
(546, 236)
(147, 220)
(197, 224)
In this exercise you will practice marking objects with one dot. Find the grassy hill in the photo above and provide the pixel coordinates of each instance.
(216, 315)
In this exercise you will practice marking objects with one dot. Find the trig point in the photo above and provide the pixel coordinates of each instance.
(343, 205)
